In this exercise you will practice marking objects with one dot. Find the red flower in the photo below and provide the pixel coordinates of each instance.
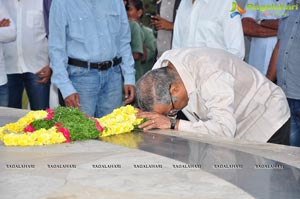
(29, 129)
(98, 126)
(65, 133)
(50, 114)
(58, 124)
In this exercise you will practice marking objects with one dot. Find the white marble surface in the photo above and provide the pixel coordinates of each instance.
(286, 154)
(87, 182)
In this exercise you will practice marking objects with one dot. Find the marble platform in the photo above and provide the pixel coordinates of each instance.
(160, 164)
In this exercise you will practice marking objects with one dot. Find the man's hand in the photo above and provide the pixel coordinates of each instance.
(161, 24)
(44, 74)
(4, 22)
(155, 121)
(129, 93)
(72, 100)
(252, 29)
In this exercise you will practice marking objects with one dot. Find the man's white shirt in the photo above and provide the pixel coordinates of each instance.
(230, 97)
(29, 53)
(209, 23)
(7, 34)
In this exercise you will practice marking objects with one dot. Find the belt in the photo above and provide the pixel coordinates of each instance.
(100, 66)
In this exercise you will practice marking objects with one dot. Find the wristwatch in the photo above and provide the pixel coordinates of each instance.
(173, 123)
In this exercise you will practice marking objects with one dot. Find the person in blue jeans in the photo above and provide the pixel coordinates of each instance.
(26, 59)
(90, 54)
(284, 66)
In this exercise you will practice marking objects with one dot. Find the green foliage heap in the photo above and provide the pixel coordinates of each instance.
(79, 126)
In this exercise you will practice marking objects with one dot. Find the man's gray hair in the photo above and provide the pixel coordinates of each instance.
(154, 88)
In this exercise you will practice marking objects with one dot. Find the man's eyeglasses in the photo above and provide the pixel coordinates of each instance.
(173, 112)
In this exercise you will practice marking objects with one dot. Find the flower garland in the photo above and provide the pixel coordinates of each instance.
(66, 124)
(119, 121)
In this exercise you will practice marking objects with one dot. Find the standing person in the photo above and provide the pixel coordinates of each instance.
(26, 59)
(137, 37)
(164, 23)
(220, 94)
(284, 66)
(55, 98)
(136, 44)
(209, 23)
(89, 46)
(135, 13)
(7, 34)
(261, 27)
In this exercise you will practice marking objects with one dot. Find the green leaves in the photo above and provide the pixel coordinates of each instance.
(79, 125)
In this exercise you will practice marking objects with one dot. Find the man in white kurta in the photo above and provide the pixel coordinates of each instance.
(209, 23)
(225, 96)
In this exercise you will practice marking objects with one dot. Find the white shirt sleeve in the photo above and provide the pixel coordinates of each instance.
(234, 35)
(176, 32)
(218, 94)
(7, 33)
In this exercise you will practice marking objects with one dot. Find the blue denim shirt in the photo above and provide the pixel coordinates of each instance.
(89, 30)
(288, 63)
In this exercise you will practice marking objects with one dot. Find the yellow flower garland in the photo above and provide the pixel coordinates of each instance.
(18, 127)
(121, 120)
(38, 137)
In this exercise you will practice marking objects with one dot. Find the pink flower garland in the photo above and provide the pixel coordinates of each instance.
(98, 126)
(50, 114)
(29, 129)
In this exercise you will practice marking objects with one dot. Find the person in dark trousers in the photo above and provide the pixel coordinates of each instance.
(284, 66)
